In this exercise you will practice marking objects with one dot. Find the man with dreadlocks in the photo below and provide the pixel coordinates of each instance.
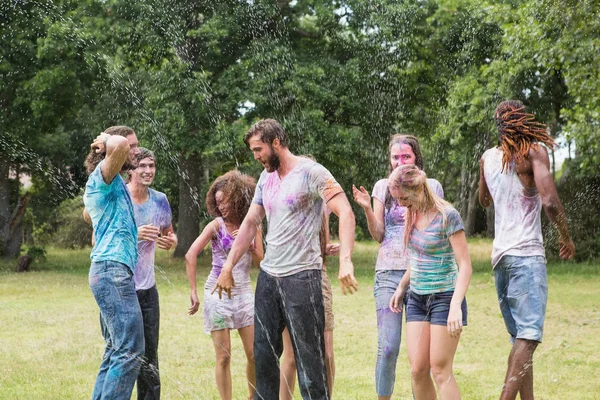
(516, 177)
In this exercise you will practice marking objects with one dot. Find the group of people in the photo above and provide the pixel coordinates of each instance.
(423, 266)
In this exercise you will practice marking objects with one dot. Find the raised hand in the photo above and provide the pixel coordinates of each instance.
(361, 196)
(99, 144)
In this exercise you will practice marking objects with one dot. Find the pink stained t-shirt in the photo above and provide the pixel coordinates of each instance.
(294, 209)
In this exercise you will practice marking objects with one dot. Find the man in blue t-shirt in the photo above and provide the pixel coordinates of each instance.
(114, 257)
(153, 219)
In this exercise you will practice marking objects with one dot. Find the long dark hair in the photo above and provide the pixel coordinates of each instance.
(518, 132)
(413, 142)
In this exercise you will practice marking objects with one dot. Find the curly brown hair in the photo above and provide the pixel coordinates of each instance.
(238, 191)
(518, 132)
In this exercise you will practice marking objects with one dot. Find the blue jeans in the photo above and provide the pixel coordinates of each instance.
(522, 289)
(295, 301)
(389, 330)
(121, 322)
(148, 381)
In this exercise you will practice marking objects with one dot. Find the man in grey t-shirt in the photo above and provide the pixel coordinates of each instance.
(291, 192)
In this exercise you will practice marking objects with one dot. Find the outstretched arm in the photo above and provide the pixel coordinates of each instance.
(340, 206)
(544, 182)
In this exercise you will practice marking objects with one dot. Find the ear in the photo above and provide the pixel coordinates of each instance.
(276, 144)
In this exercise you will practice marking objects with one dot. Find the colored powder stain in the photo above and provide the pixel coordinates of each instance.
(219, 322)
(290, 199)
(226, 242)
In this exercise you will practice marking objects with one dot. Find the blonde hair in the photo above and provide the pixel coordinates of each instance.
(413, 182)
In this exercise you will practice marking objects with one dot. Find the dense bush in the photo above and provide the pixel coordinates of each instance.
(71, 230)
(580, 196)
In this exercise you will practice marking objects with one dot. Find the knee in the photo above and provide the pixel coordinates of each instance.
(389, 354)
(223, 359)
(250, 358)
(288, 363)
(329, 357)
(441, 373)
(419, 372)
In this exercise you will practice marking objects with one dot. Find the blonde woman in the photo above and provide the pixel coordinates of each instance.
(439, 273)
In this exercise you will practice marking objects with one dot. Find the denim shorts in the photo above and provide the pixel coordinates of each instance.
(433, 308)
(522, 290)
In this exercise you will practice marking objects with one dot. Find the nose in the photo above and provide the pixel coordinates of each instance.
(256, 156)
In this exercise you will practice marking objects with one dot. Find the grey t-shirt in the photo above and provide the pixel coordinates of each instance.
(294, 209)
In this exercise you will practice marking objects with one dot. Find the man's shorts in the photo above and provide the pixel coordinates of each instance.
(522, 289)
(433, 308)
(327, 301)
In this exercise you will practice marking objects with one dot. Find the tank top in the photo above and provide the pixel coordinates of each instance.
(518, 227)
(221, 246)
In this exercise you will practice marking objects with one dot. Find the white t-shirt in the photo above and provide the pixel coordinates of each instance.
(518, 226)
(294, 209)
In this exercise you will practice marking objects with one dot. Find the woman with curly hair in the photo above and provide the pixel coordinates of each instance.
(228, 200)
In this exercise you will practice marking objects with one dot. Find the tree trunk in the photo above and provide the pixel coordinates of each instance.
(4, 200)
(490, 215)
(472, 205)
(190, 181)
(462, 203)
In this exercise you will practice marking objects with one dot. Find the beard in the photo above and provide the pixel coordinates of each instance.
(273, 162)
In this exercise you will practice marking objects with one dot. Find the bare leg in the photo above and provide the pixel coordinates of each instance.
(247, 336)
(519, 376)
(442, 350)
(222, 343)
(329, 361)
(288, 369)
(418, 342)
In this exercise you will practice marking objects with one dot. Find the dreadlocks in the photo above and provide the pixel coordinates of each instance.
(518, 131)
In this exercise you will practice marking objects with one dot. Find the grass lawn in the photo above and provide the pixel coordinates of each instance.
(51, 344)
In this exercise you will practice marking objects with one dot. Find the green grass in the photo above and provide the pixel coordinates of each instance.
(51, 346)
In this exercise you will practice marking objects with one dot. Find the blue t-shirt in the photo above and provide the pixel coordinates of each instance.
(111, 210)
(157, 212)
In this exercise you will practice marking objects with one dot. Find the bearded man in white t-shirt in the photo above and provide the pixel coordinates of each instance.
(291, 192)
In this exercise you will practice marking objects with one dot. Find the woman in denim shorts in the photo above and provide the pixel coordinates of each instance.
(228, 199)
(386, 225)
(436, 308)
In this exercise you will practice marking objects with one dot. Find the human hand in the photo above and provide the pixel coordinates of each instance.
(148, 232)
(332, 249)
(167, 242)
(225, 282)
(99, 144)
(195, 303)
(397, 298)
(346, 277)
(455, 320)
(567, 248)
(361, 196)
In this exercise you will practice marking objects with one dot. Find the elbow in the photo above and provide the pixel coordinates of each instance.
(552, 207)
(189, 257)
